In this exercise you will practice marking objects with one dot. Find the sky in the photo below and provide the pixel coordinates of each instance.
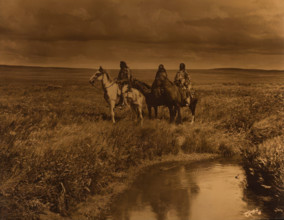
(144, 33)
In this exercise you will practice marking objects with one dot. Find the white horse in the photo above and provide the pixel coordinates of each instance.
(110, 87)
(135, 99)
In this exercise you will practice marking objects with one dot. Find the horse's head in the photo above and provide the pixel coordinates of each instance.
(97, 76)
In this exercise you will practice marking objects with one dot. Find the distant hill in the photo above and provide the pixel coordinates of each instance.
(61, 75)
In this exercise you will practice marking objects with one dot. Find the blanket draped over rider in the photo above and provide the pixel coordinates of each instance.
(161, 76)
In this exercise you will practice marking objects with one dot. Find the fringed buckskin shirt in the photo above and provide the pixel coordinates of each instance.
(182, 78)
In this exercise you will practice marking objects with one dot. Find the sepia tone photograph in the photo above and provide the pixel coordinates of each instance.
(141, 109)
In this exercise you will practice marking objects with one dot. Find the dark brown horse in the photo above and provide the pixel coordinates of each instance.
(168, 95)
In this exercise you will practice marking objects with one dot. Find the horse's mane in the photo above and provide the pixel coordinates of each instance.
(141, 86)
(105, 72)
(142, 83)
(169, 82)
(108, 77)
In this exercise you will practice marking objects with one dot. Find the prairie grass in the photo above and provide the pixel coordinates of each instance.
(266, 166)
(58, 145)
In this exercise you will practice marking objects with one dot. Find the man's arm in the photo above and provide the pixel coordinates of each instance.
(119, 75)
(129, 75)
(177, 77)
(187, 76)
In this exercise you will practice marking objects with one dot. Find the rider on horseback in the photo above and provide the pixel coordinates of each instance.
(161, 75)
(183, 80)
(124, 77)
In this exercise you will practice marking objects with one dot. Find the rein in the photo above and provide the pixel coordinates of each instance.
(110, 85)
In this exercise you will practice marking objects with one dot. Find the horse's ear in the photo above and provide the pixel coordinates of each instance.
(101, 69)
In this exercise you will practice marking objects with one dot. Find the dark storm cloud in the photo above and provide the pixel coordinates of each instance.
(46, 32)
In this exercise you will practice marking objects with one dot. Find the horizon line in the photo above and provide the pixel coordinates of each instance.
(65, 67)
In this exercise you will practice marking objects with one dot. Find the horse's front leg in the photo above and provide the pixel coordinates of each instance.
(125, 101)
(140, 115)
(179, 114)
(149, 111)
(156, 111)
(112, 105)
(172, 114)
(193, 119)
(134, 113)
(192, 108)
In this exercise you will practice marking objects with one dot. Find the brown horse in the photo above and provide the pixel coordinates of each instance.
(170, 95)
(175, 97)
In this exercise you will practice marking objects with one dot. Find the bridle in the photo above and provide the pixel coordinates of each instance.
(106, 87)
(110, 84)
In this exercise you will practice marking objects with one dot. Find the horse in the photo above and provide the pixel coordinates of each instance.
(171, 96)
(176, 97)
(111, 89)
(135, 99)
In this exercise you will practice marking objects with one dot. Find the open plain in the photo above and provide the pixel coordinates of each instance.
(58, 145)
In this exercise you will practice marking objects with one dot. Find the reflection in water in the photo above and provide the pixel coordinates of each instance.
(207, 190)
